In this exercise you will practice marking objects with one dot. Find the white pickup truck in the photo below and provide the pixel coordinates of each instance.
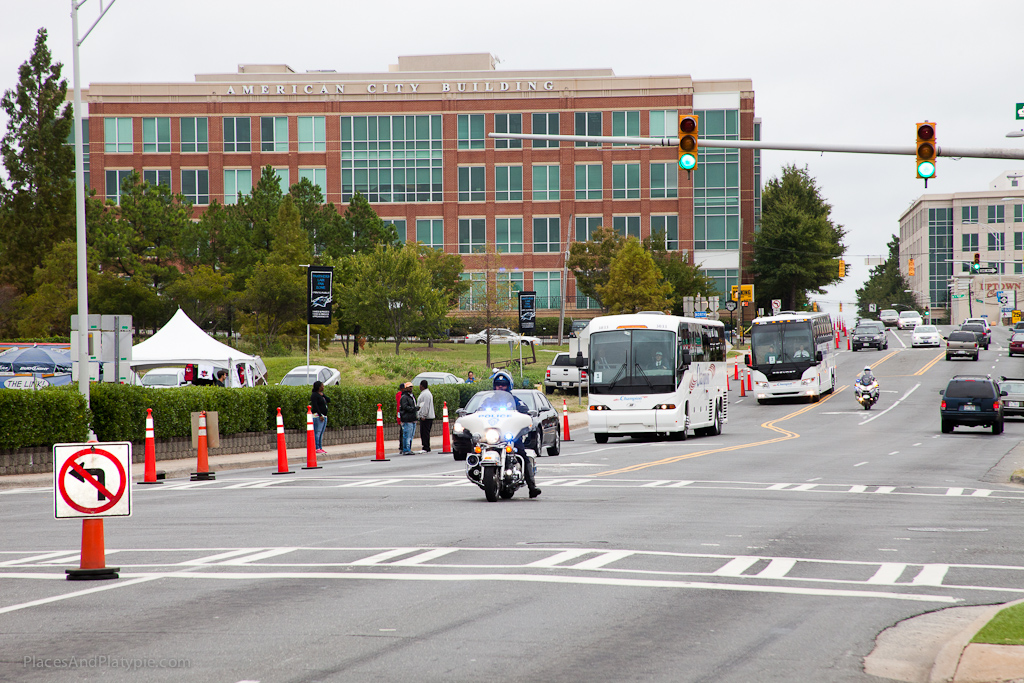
(563, 374)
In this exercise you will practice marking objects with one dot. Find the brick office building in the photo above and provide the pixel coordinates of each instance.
(414, 141)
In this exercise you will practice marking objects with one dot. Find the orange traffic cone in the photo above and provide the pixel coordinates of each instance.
(150, 475)
(282, 450)
(446, 432)
(310, 442)
(750, 381)
(203, 472)
(380, 437)
(565, 421)
(743, 385)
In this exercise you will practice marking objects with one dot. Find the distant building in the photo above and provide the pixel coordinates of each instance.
(413, 139)
(943, 232)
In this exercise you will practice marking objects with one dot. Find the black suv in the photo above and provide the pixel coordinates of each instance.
(868, 335)
(972, 401)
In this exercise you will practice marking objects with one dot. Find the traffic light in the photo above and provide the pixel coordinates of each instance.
(814, 306)
(840, 306)
(926, 151)
(842, 268)
(688, 129)
(976, 266)
(910, 269)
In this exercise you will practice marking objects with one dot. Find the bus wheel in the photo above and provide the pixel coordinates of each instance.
(600, 438)
(716, 429)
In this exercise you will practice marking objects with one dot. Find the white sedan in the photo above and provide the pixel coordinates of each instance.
(437, 378)
(925, 335)
(501, 335)
(908, 320)
(306, 375)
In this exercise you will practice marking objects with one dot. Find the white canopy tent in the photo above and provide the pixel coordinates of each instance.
(181, 342)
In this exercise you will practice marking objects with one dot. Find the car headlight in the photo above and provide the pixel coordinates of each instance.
(807, 381)
(492, 435)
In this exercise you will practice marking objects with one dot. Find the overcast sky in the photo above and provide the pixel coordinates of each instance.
(823, 71)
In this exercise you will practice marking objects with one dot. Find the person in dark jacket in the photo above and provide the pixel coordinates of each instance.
(318, 404)
(408, 414)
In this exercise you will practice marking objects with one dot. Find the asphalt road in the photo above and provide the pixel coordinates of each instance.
(774, 552)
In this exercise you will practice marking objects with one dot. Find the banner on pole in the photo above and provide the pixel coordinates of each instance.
(319, 288)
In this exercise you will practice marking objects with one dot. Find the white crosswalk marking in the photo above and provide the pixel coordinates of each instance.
(805, 487)
(888, 573)
(423, 557)
(603, 559)
(382, 557)
(955, 492)
(981, 493)
(558, 558)
(218, 557)
(885, 489)
(34, 558)
(931, 575)
(737, 566)
(266, 554)
(777, 568)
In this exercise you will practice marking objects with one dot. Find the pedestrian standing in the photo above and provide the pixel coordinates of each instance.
(318, 404)
(470, 379)
(407, 413)
(425, 406)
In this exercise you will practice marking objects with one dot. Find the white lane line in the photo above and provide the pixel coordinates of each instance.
(240, 561)
(888, 573)
(815, 479)
(381, 557)
(894, 453)
(897, 337)
(423, 557)
(603, 559)
(918, 443)
(895, 403)
(34, 558)
(110, 586)
(218, 557)
(931, 575)
(558, 558)
(737, 566)
(777, 568)
(861, 463)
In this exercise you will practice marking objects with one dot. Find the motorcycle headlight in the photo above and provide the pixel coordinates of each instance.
(458, 426)
(492, 435)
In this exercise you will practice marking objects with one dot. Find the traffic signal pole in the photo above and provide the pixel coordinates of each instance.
(908, 150)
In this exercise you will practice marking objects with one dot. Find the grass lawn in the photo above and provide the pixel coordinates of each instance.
(1006, 628)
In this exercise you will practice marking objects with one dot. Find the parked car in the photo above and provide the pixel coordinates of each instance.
(437, 378)
(908, 320)
(961, 344)
(563, 374)
(164, 378)
(296, 377)
(545, 422)
(889, 316)
(865, 335)
(971, 401)
(979, 330)
(1012, 390)
(925, 335)
(500, 335)
(1017, 343)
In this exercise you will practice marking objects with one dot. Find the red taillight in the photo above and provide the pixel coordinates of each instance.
(583, 374)
(943, 406)
(995, 405)
(548, 375)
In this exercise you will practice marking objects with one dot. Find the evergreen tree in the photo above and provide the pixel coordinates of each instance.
(591, 261)
(634, 282)
(362, 229)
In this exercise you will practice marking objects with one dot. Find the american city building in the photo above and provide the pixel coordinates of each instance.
(413, 140)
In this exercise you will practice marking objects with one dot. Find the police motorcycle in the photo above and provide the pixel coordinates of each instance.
(865, 389)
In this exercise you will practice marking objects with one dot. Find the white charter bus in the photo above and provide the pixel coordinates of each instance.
(656, 374)
(793, 355)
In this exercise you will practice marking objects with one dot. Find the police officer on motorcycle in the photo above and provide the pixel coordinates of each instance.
(866, 377)
(503, 382)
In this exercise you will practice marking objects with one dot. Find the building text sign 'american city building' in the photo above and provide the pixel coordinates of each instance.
(392, 88)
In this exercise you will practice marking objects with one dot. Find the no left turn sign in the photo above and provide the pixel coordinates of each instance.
(92, 480)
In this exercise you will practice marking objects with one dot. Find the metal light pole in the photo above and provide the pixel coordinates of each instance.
(83, 277)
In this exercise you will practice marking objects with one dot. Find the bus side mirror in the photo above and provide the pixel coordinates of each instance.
(818, 356)
(746, 360)
(685, 359)
(581, 362)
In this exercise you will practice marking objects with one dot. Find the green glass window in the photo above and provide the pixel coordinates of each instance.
(471, 184)
(472, 235)
(508, 183)
(1018, 213)
(282, 177)
(117, 135)
(587, 123)
(237, 183)
(156, 135)
(548, 285)
(969, 241)
(194, 134)
(545, 182)
(400, 228)
(471, 131)
(716, 183)
(392, 158)
(273, 133)
(85, 147)
(508, 123)
(195, 185)
(627, 226)
(508, 235)
(669, 227)
(545, 124)
(312, 133)
(724, 279)
(430, 232)
(509, 284)
(476, 294)
(585, 226)
(1018, 241)
(625, 181)
(997, 214)
(625, 123)
(547, 235)
(114, 181)
(588, 181)
(664, 123)
(997, 241)
(317, 176)
(158, 176)
(237, 134)
(968, 214)
(664, 181)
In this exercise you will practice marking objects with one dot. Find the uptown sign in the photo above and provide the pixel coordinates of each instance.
(394, 88)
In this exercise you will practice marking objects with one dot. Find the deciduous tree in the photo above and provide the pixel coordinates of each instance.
(635, 283)
(591, 261)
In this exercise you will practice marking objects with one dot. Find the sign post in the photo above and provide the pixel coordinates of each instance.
(92, 481)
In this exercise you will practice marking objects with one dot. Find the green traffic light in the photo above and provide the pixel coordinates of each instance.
(926, 169)
(687, 162)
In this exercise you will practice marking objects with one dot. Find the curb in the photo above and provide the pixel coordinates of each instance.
(947, 663)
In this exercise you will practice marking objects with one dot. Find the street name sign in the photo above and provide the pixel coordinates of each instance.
(92, 480)
(987, 270)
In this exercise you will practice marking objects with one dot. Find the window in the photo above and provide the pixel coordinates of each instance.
(472, 235)
(509, 283)
(117, 135)
(317, 176)
(625, 123)
(585, 226)
(545, 124)
(471, 183)
(195, 185)
(545, 182)
(508, 123)
(664, 181)
(547, 235)
(587, 123)
(312, 134)
(625, 181)
(477, 291)
(669, 225)
(471, 131)
(158, 176)
(940, 254)
(548, 285)
(716, 183)
(724, 278)
(997, 241)
(391, 158)
(508, 183)
(996, 214)
(588, 181)
(508, 235)
(282, 176)
(664, 123)
(968, 214)
(273, 133)
(1018, 241)
(114, 181)
(399, 227)
(85, 147)
(195, 134)
(627, 226)
(156, 135)
(430, 232)
(1018, 213)
(970, 241)
(237, 183)
(237, 134)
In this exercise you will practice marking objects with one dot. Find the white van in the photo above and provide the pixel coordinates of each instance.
(164, 378)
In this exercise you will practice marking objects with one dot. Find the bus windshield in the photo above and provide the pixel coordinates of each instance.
(630, 360)
(788, 342)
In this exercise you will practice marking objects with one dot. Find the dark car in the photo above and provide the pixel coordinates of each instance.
(545, 422)
(962, 343)
(980, 332)
(1017, 343)
(971, 401)
(868, 336)
(1012, 389)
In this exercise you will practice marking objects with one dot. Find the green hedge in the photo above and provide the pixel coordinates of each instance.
(42, 418)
